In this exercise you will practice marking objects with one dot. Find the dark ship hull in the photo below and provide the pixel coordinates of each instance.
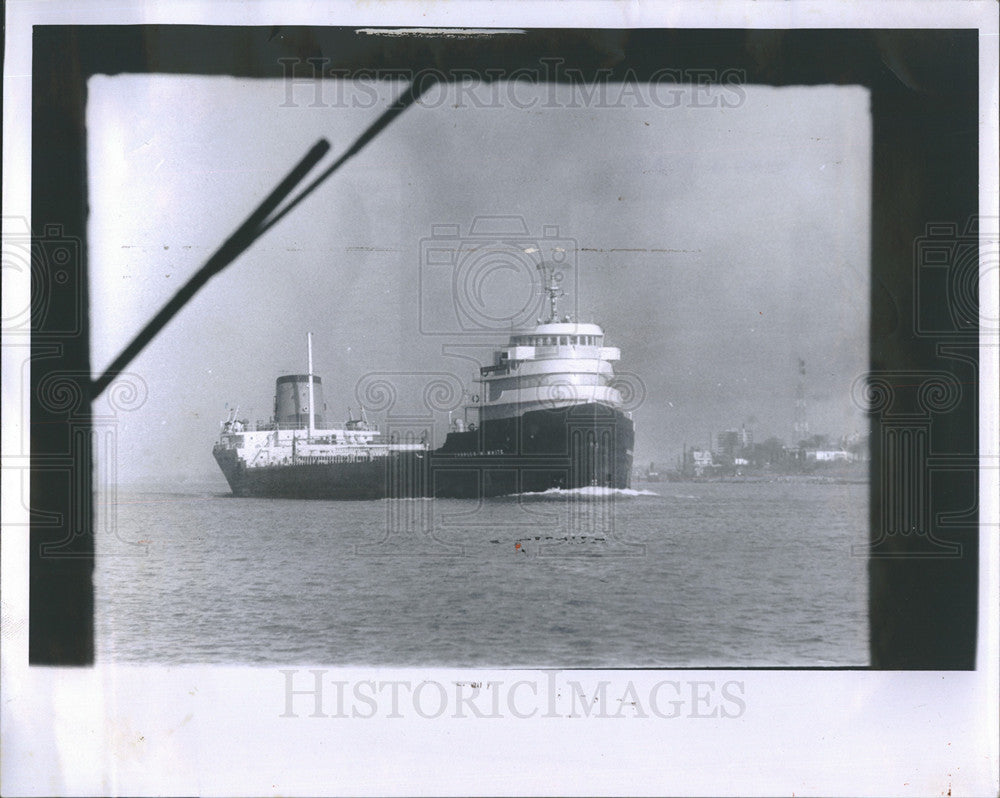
(575, 447)
(580, 446)
(400, 474)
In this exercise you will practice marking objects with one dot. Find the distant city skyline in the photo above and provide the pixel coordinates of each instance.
(717, 247)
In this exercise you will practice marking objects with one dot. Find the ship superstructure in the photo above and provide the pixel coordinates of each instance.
(558, 363)
(548, 414)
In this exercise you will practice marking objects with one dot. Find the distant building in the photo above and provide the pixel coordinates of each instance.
(858, 444)
(829, 455)
(733, 441)
(697, 462)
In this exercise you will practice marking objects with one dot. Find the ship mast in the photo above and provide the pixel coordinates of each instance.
(550, 288)
(312, 417)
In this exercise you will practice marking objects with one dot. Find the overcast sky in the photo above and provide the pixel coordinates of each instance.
(716, 245)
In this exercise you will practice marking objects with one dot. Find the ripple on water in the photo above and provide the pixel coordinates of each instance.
(717, 574)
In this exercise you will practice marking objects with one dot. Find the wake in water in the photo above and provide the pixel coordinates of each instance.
(591, 491)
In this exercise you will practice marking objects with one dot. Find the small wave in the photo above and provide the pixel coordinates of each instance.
(407, 499)
(591, 490)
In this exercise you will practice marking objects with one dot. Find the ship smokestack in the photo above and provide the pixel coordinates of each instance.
(292, 404)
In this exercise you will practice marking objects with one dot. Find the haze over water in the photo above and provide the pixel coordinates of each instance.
(687, 574)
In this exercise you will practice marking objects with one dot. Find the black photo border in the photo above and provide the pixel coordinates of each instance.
(924, 334)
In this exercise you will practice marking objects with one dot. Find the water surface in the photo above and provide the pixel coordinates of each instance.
(686, 574)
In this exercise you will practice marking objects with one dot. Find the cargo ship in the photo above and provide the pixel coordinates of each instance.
(297, 455)
(546, 415)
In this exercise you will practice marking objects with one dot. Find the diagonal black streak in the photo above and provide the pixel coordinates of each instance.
(242, 238)
(404, 101)
(255, 226)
